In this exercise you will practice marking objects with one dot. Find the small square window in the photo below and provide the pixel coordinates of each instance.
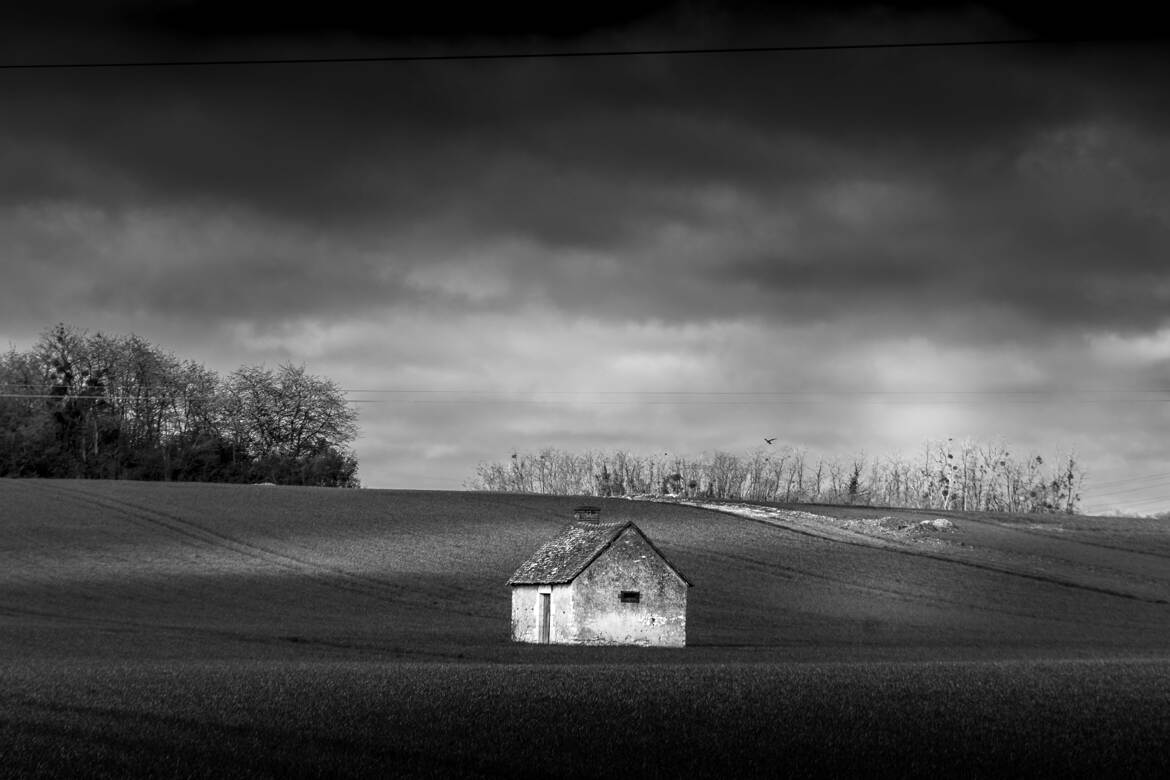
(631, 596)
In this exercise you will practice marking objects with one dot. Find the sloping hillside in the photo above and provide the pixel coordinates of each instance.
(954, 579)
(103, 568)
(168, 630)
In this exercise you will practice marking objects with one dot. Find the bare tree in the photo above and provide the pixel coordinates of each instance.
(288, 416)
(964, 476)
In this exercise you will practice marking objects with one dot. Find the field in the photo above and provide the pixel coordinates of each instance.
(244, 631)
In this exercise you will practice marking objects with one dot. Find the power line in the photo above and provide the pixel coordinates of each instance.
(815, 392)
(1121, 394)
(709, 398)
(1097, 501)
(1164, 482)
(643, 401)
(591, 53)
(118, 397)
(1125, 480)
(1155, 500)
(753, 402)
(764, 397)
(651, 398)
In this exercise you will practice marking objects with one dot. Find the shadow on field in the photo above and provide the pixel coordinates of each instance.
(229, 631)
(471, 720)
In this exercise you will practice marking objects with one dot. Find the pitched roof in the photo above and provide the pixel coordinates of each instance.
(562, 558)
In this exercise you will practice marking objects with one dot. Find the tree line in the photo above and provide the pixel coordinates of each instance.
(945, 475)
(118, 407)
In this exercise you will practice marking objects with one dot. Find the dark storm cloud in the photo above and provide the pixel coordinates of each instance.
(1025, 256)
(895, 185)
(362, 130)
(231, 18)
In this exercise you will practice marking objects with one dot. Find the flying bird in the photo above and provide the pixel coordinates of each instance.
(769, 441)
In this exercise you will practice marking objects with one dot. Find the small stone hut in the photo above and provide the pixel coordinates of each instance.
(599, 584)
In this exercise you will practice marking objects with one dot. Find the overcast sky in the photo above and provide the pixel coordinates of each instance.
(912, 243)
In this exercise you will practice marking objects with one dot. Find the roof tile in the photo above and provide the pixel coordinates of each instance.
(562, 558)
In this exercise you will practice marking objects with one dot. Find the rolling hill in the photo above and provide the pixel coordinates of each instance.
(248, 631)
(93, 566)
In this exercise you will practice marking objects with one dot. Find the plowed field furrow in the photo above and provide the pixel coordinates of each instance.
(110, 621)
(329, 576)
(882, 544)
(1075, 537)
(910, 593)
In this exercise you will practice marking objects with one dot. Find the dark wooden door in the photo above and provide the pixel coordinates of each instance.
(545, 616)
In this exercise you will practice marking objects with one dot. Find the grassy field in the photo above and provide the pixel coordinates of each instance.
(210, 630)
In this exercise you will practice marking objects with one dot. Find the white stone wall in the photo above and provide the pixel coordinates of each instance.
(526, 613)
(525, 620)
(630, 564)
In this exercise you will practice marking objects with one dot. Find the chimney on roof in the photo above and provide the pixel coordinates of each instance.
(586, 514)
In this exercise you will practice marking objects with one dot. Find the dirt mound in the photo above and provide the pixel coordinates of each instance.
(899, 528)
(893, 523)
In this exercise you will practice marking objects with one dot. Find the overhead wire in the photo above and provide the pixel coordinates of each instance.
(576, 54)
(151, 397)
(892, 400)
(1049, 392)
(448, 397)
(1153, 501)
(1126, 496)
(1165, 482)
(1124, 482)
(806, 392)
